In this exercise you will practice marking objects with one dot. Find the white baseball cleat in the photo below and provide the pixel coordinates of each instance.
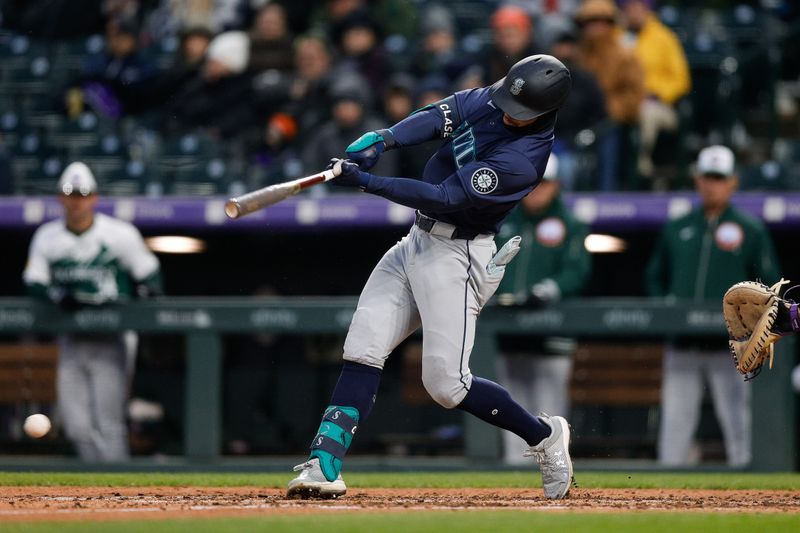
(552, 454)
(311, 483)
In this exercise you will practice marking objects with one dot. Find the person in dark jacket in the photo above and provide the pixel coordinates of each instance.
(159, 93)
(110, 80)
(219, 98)
(270, 41)
(359, 40)
(351, 102)
(584, 109)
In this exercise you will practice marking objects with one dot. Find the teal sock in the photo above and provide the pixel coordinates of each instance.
(333, 438)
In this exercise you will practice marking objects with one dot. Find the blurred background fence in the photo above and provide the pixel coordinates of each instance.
(230, 399)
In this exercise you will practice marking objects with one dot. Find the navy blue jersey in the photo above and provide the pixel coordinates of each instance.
(481, 170)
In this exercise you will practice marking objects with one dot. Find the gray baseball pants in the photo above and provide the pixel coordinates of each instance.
(681, 396)
(432, 281)
(92, 391)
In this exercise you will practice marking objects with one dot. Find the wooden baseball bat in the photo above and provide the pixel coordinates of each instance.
(253, 201)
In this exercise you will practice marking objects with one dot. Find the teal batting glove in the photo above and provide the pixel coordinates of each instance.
(367, 149)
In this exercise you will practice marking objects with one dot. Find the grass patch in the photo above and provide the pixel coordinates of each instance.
(723, 480)
(438, 521)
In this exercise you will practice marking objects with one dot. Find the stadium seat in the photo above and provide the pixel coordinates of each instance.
(12, 125)
(768, 176)
(30, 75)
(40, 177)
(745, 24)
(107, 145)
(205, 177)
(78, 133)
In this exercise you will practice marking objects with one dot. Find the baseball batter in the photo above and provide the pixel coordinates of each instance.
(90, 259)
(496, 142)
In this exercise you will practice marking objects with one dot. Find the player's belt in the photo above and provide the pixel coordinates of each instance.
(443, 229)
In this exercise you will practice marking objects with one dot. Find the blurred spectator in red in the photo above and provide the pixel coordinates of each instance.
(584, 109)
(308, 92)
(512, 40)
(439, 51)
(219, 97)
(666, 75)
(270, 41)
(620, 76)
(273, 154)
(358, 39)
(351, 99)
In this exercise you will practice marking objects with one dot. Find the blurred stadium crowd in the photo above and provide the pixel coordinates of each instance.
(196, 97)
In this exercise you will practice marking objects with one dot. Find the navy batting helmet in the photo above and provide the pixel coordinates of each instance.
(534, 86)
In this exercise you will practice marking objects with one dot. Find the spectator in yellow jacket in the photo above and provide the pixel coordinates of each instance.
(666, 75)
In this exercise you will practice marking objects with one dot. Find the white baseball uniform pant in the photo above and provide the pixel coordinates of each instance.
(439, 283)
(681, 397)
(92, 389)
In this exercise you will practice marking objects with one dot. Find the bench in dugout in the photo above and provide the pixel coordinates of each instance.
(27, 386)
(615, 392)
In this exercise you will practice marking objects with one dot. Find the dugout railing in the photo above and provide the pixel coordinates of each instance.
(204, 320)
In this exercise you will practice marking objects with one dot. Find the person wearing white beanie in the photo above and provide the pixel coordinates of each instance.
(228, 54)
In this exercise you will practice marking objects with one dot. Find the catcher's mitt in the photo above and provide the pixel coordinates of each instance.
(756, 317)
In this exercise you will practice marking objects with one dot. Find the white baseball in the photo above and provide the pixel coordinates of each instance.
(36, 426)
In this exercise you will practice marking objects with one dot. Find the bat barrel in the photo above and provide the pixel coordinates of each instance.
(233, 209)
(253, 201)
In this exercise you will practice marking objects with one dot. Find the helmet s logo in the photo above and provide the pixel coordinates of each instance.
(516, 87)
(484, 180)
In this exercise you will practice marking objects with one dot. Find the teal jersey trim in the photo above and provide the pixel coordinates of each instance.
(421, 109)
(463, 145)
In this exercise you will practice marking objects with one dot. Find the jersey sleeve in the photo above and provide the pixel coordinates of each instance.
(37, 269)
(495, 180)
(502, 177)
(134, 255)
(436, 121)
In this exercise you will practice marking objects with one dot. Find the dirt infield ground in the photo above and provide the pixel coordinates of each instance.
(131, 503)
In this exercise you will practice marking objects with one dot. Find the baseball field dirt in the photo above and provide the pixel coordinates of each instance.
(103, 503)
(378, 502)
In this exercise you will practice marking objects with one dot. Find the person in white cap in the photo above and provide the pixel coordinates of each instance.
(698, 257)
(552, 264)
(220, 96)
(90, 259)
